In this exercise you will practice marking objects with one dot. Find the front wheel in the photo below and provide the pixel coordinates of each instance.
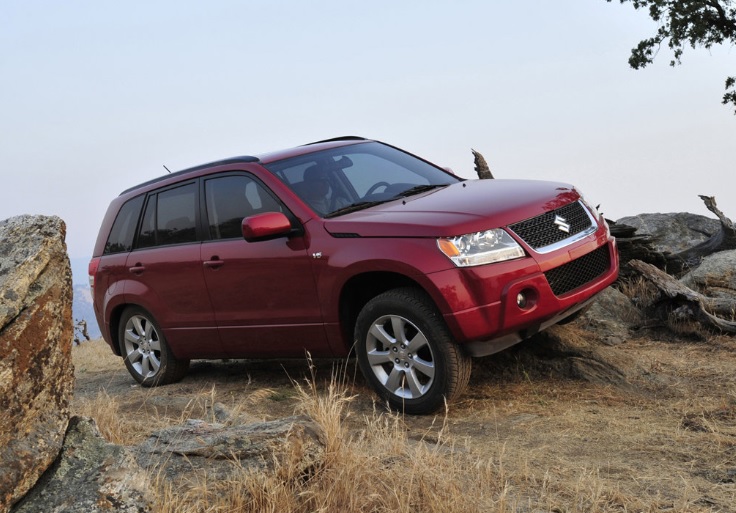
(145, 351)
(407, 354)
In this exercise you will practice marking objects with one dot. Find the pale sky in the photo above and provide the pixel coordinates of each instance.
(97, 96)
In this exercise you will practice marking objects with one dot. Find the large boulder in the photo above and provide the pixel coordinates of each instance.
(90, 476)
(673, 232)
(715, 277)
(36, 372)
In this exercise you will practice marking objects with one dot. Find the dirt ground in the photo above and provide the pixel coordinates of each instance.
(666, 437)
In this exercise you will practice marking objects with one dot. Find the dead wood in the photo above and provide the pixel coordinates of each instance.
(682, 301)
(635, 247)
(723, 240)
(481, 166)
(640, 247)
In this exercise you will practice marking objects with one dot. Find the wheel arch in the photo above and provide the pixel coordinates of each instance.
(363, 287)
(115, 315)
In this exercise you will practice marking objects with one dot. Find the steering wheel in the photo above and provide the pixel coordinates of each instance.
(375, 186)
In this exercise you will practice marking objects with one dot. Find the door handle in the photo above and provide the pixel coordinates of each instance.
(214, 263)
(137, 268)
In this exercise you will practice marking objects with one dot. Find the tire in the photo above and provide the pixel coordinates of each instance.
(145, 351)
(407, 354)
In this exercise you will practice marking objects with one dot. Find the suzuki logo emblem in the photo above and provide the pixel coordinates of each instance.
(562, 224)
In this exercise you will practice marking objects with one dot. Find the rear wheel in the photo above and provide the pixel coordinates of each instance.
(145, 351)
(407, 354)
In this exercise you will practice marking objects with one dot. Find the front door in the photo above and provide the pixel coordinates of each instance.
(263, 293)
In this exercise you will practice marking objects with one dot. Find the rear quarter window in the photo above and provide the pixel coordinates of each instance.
(123, 229)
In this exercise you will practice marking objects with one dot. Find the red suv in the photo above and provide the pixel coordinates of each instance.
(346, 244)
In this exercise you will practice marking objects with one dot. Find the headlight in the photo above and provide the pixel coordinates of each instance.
(480, 248)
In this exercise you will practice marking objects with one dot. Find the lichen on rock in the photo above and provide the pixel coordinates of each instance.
(36, 371)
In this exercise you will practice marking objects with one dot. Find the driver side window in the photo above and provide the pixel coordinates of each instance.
(230, 199)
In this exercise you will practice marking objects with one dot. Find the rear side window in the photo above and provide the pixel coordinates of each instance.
(123, 229)
(230, 199)
(170, 217)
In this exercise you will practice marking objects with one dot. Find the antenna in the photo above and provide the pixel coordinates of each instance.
(166, 168)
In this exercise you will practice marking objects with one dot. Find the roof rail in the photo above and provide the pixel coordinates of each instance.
(341, 138)
(232, 160)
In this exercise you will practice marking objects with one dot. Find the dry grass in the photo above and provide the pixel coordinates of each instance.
(374, 469)
(515, 445)
(94, 356)
(641, 291)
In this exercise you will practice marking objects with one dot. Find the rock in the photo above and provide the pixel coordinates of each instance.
(569, 352)
(610, 317)
(36, 371)
(200, 445)
(715, 277)
(91, 475)
(673, 232)
(565, 352)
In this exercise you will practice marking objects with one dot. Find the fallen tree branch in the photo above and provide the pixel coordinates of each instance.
(684, 301)
(723, 240)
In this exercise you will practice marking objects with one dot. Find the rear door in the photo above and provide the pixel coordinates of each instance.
(165, 274)
(263, 293)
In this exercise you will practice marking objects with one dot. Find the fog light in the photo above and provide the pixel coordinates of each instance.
(521, 300)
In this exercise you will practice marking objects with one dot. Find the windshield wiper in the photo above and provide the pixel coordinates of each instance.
(419, 188)
(360, 205)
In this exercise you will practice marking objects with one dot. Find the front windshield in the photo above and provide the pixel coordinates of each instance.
(349, 178)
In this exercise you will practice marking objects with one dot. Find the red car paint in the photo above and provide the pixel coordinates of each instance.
(301, 289)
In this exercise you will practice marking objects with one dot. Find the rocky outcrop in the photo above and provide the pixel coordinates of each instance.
(715, 277)
(94, 476)
(611, 317)
(36, 373)
(565, 352)
(90, 476)
(674, 232)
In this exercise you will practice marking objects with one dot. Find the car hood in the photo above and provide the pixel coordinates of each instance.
(463, 207)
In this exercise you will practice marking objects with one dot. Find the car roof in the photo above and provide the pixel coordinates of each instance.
(265, 158)
(268, 158)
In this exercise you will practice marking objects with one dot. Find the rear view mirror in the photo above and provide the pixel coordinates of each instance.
(266, 226)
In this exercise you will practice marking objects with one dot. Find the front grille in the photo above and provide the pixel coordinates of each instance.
(577, 273)
(541, 231)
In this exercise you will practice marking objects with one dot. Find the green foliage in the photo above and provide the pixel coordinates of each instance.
(682, 23)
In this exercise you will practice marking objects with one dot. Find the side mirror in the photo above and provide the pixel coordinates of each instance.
(265, 226)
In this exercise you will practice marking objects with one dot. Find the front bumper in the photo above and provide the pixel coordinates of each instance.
(501, 321)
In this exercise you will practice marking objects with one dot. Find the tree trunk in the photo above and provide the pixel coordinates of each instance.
(639, 247)
(723, 240)
(679, 299)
